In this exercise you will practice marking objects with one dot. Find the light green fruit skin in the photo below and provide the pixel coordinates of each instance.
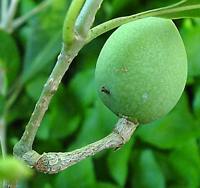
(143, 65)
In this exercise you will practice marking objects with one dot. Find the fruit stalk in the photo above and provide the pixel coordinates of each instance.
(52, 162)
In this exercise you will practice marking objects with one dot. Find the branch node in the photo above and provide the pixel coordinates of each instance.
(31, 157)
(125, 129)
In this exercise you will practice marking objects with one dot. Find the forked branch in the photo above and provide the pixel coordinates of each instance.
(23, 149)
(55, 162)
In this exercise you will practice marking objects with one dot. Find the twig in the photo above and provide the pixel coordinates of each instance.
(64, 60)
(87, 16)
(11, 14)
(159, 12)
(69, 24)
(4, 7)
(23, 19)
(49, 90)
(52, 162)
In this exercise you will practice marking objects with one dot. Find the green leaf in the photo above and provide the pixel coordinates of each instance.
(2, 105)
(86, 94)
(183, 9)
(22, 109)
(60, 121)
(3, 80)
(185, 163)
(196, 103)
(118, 163)
(44, 39)
(112, 8)
(58, 124)
(43, 58)
(9, 56)
(81, 175)
(12, 169)
(173, 130)
(105, 185)
(190, 34)
(26, 6)
(148, 173)
(98, 122)
(34, 87)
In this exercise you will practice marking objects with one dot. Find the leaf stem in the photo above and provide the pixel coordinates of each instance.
(69, 23)
(116, 22)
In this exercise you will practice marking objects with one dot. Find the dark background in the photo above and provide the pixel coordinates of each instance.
(165, 153)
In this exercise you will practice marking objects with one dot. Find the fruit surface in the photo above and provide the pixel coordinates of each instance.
(141, 71)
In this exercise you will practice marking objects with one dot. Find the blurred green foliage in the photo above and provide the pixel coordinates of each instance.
(164, 154)
(11, 169)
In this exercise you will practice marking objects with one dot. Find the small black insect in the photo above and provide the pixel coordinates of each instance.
(105, 90)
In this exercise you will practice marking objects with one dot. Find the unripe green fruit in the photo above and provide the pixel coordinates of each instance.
(142, 69)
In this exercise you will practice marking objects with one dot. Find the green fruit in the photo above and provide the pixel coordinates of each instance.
(142, 69)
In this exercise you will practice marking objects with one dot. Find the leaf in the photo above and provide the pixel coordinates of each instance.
(3, 88)
(98, 122)
(190, 35)
(2, 104)
(112, 7)
(148, 173)
(105, 185)
(3, 80)
(21, 110)
(185, 163)
(38, 180)
(9, 56)
(57, 125)
(117, 5)
(173, 130)
(182, 9)
(34, 87)
(26, 6)
(48, 53)
(19, 170)
(83, 87)
(81, 175)
(196, 103)
(60, 121)
(118, 163)
(45, 42)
